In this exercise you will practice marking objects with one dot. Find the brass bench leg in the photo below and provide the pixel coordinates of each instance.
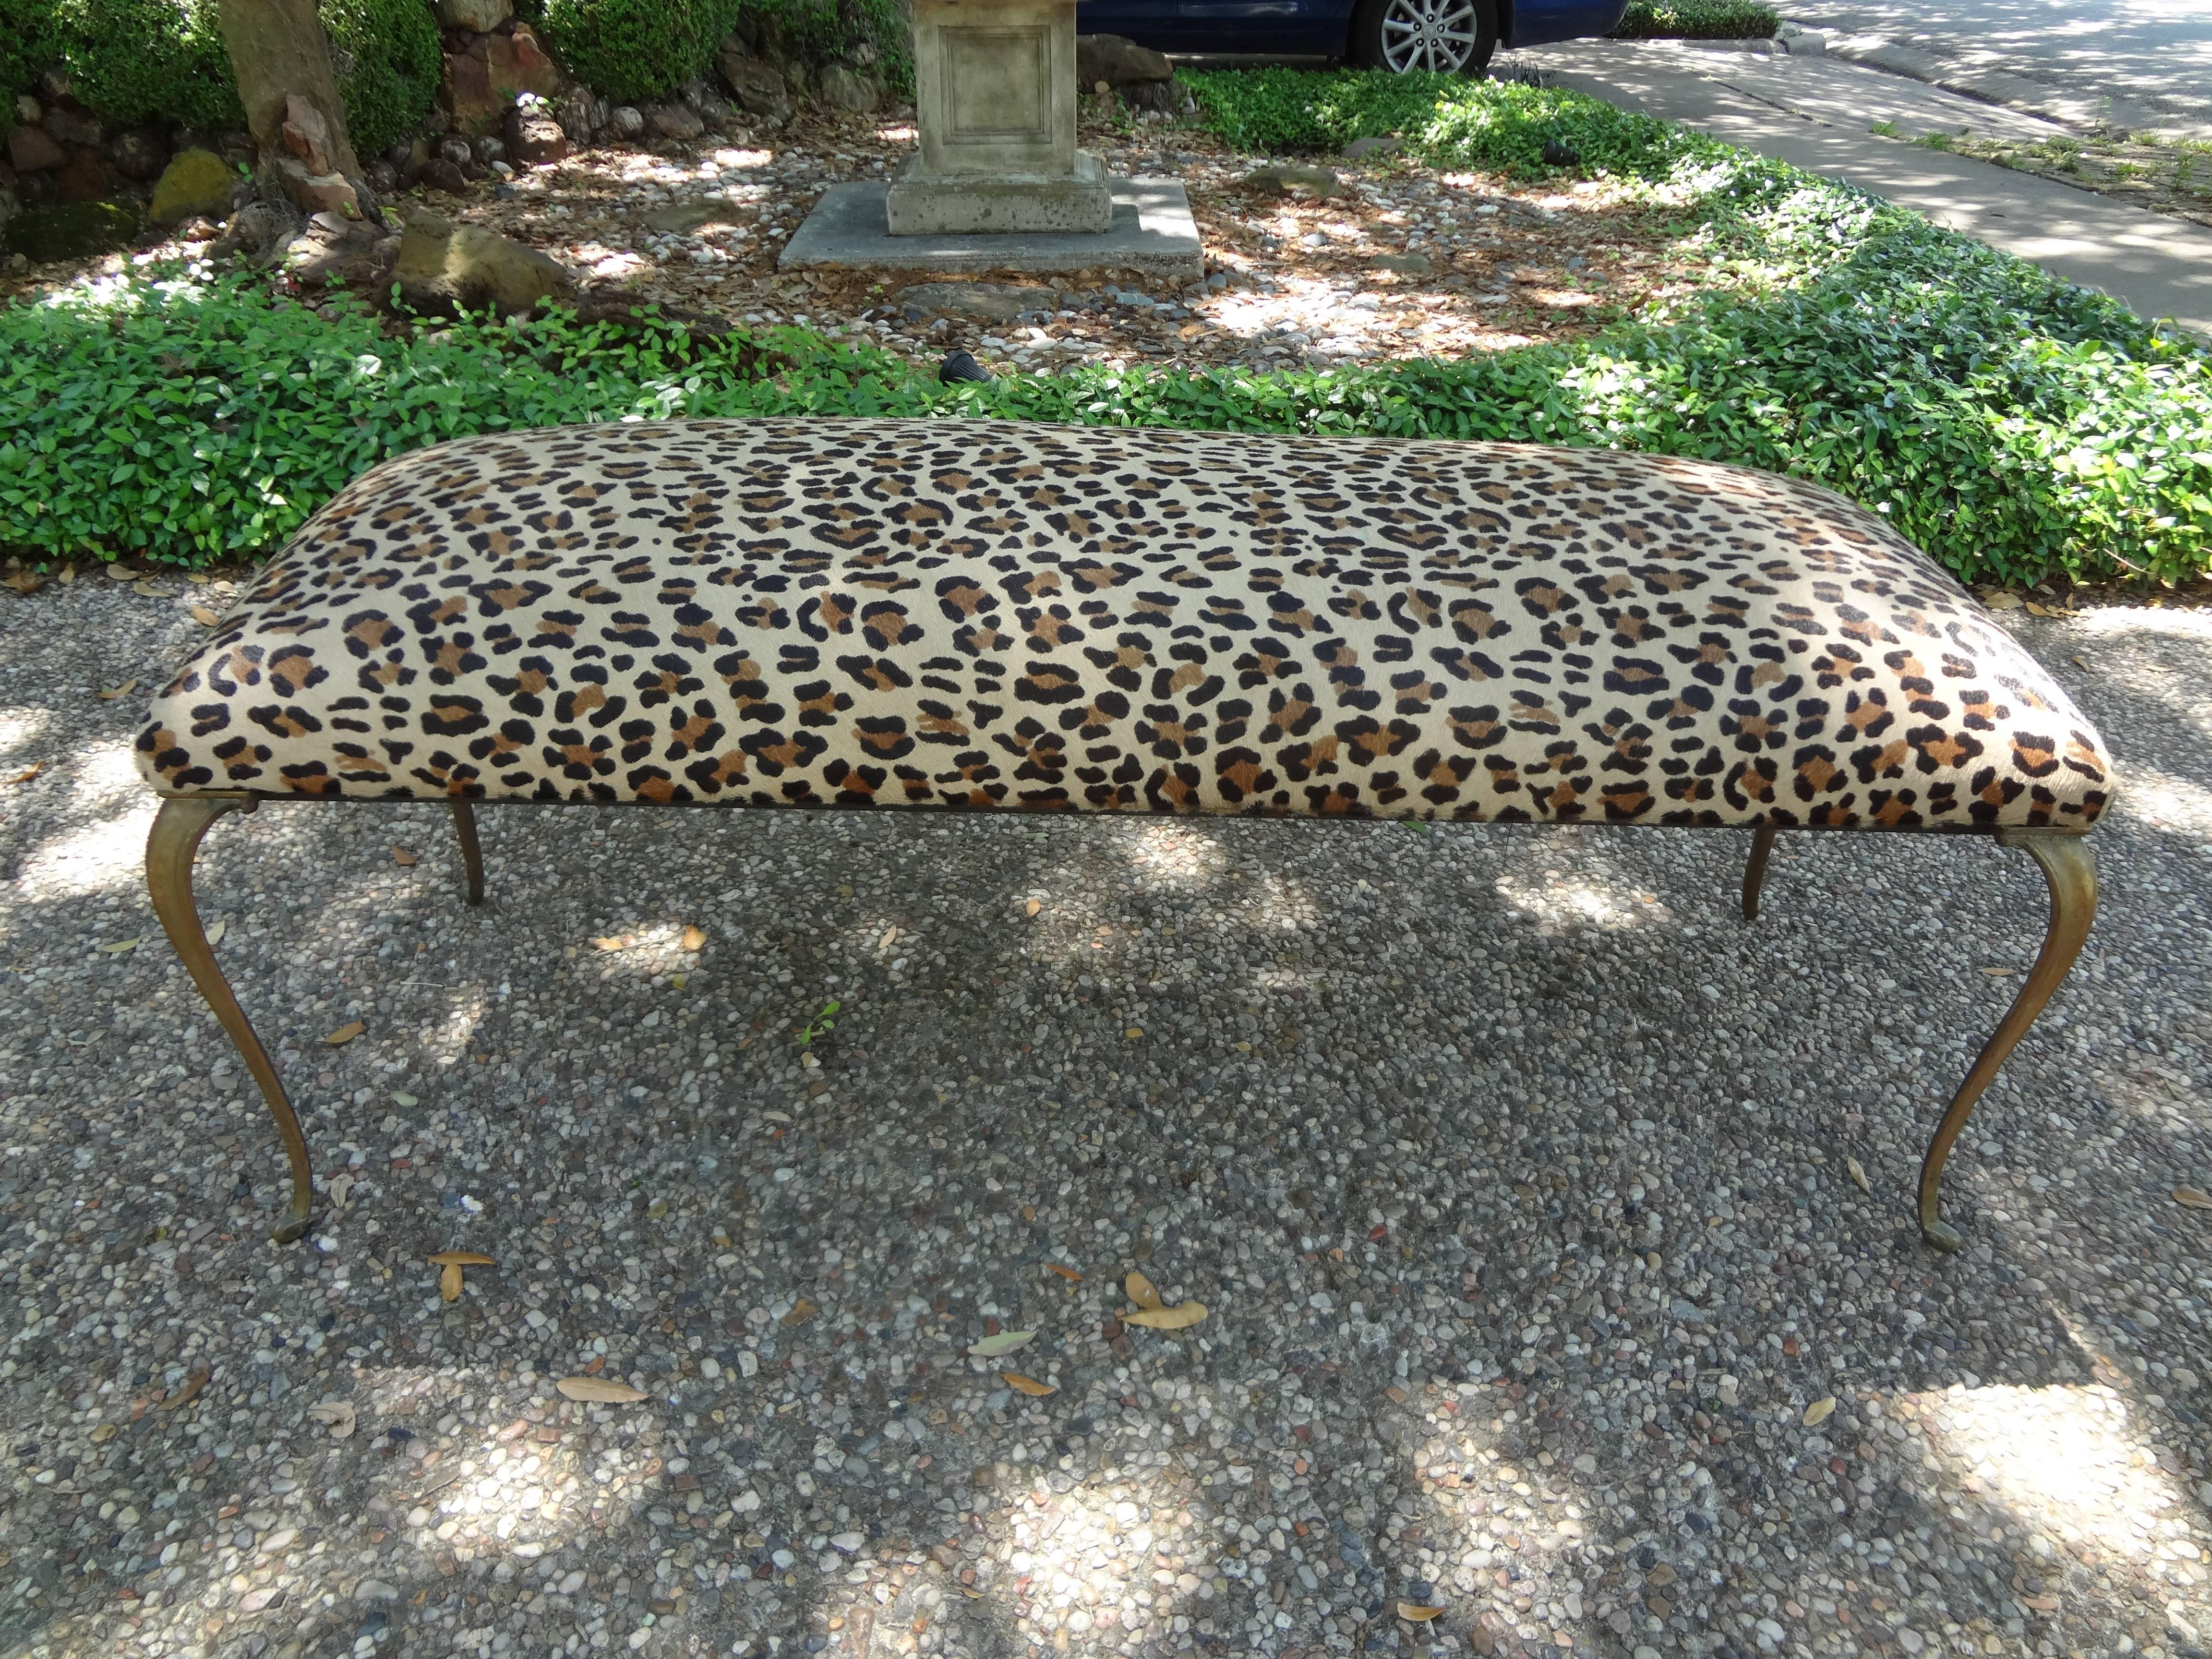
(464, 820)
(170, 850)
(2071, 869)
(1754, 873)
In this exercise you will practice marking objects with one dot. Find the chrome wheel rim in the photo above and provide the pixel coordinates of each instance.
(1435, 35)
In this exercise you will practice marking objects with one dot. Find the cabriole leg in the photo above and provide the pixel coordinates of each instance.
(1754, 873)
(170, 850)
(464, 820)
(2071, 869)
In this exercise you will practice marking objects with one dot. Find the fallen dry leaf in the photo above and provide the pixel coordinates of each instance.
(2078, 662)
(2000, 973)
(449, 1282)
(694, 939)
(104, 1433)
(214, 933)
(30, 772)
(612, 942)
(1416, 1612)
(1033, 907)
(1997, 600)
(1817, 1412)
(190, 1390)
(462, 1258)
(1027, 1385)
(1176, 1318)
(1067, 1273)
(1141, 1292)
(599, 1390)
(339, 1186)
(801, 1311)
(1858, 1174)
(122, 691)
(885, 943)
(66, 575)
(2189, 1199)
(1134, 1032)
(402, 857)
(992, 1347)
(120, 945)
(2040, 1603)
(23, 581)
(203, 617)
(336, 1415)
(345, 1034)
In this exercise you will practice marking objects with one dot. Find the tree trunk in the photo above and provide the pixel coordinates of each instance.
(283, 61)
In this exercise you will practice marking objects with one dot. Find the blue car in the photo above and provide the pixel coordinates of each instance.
(1450, 36)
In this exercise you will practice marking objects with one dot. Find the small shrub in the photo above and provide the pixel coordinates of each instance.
(389, 63)
(30, 39)
(141, 60)
(1445, 118)
(635, 51)
(1697, 19)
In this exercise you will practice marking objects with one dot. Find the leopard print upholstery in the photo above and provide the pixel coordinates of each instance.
(883, 613)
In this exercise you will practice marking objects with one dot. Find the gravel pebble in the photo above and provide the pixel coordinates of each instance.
(1511, 1164)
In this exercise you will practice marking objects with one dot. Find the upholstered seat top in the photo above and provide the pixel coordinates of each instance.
(990, 614)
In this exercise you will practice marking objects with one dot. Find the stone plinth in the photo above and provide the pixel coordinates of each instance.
(995, 104)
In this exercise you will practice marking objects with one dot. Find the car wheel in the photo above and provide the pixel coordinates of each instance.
(1446, 37)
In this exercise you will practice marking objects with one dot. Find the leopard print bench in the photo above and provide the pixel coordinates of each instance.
(990, 616)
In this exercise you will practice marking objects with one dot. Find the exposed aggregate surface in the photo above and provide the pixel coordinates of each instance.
(1511, 1164)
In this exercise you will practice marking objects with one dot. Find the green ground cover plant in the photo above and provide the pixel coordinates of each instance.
(2014, 426)
(1697, 19)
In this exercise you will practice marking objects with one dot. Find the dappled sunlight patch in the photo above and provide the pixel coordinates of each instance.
(105, 856)
(1558, 898)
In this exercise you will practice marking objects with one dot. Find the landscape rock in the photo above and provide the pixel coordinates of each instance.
(458, 151)
(577, 117)
(137, 154)
(710, 107)
(30, 150)
(443, 267)
(307, 135)
(625, 122)
(1162, 97)
(83, 177)
(483, 80)
(681, 218)
(1117, 61)
(316, 192)
(74, 230)
(196, 182)
(333, 251)
(439, 173)
(996, 302)
(480, 16)
(1294, 179)
(1406, 265)
(27, 109)
(65, 126)
(1360, 148)
(383, 177)
(533, 139)
(257, 231)
(848, 89)
(677, 121)
(756, 86)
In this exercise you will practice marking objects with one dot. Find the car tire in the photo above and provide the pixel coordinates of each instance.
(1450, 37)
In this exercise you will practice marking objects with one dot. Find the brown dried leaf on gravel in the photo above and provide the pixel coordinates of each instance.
(1067, 1273)
(449, 1282)
(122, 691)
(336, 1415)
(694, 939)
(599, 1390)
(2189, 1199)
(189, 1391)
(345, 1034)
(994, 1347)
(1416, 1612)
(30, 771)
(1858, 1174)
(204, 616)
(1819, 1411)
(402, 857)
(1141, 1292)
(801, 1311)
(1027, 1385)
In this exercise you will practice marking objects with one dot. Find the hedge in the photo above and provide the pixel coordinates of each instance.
(1697, 19)
(2014, 425)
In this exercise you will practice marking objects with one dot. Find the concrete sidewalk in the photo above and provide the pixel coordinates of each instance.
(1816, 113)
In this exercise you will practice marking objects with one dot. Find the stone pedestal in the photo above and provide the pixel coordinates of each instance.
(995, 104)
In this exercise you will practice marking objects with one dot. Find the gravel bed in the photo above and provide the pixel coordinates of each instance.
(1517, 1173)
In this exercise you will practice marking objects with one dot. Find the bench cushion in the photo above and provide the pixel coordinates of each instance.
(985, 615)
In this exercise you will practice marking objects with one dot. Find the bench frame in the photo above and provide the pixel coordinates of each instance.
(2068, 866)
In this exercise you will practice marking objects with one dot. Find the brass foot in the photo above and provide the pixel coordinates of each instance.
(464, 820)
(170, 850)
(1754, 873)
(2071, 870)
